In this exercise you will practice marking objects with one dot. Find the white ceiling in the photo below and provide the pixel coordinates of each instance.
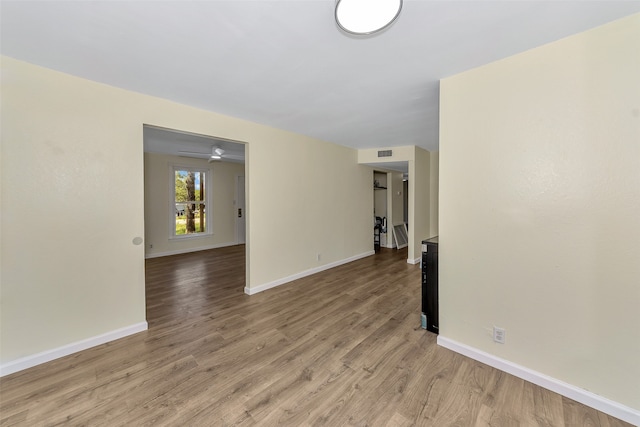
(175, 143)
(285, 63)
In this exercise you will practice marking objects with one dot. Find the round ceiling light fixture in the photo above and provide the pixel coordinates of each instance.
(363, 17)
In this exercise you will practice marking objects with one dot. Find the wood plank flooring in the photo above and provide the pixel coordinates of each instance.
(339, 348)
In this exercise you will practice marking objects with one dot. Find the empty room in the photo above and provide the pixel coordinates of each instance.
(224, 213)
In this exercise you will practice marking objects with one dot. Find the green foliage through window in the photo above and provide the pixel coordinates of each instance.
(189, 202)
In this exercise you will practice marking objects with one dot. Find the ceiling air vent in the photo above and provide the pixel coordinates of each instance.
(384, 153)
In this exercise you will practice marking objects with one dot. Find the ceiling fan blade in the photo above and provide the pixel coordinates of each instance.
(193, 153)
(213, 156)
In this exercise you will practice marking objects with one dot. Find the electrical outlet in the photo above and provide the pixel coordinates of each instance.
(151, 246)
(499, 335)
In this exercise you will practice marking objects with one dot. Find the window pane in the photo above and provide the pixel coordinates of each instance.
(189, 202)
(200, 225)
(181, 186)
(190, 186)
(199, 186)
(190, 218)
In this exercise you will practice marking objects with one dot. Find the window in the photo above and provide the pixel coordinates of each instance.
(189, 214)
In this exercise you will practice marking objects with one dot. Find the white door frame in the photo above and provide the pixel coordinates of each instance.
(240, 213)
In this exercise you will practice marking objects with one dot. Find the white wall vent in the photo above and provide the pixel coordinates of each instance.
(385, 153)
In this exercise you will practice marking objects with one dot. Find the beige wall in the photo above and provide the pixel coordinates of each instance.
(72, 158)
(434, 175)
(399, 154)
(156, 204)
(72, 199)
(540, 209)
(420, 194)
(310, 199)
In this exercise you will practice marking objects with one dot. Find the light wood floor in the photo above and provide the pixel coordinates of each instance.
(340, 348)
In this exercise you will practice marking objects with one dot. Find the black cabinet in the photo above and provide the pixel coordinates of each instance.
(430, 283)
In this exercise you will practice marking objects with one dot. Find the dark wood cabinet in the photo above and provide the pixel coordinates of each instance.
(430, 283)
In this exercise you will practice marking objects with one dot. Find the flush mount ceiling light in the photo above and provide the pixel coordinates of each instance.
(364, 17)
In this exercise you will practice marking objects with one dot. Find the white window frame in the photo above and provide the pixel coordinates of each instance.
(208, 201)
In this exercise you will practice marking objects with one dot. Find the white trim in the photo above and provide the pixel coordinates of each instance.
(413, 261)
(188, 250)
(255, 289)
(187, 237)
(65, 350)
(583, 396)
(244, 208)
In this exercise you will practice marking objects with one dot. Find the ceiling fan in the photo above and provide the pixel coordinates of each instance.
(216, 154)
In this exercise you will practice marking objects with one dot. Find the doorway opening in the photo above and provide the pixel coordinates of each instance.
(194, 194)
(390, 209)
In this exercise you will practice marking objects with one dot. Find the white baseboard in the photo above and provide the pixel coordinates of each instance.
(413, 261)
(186, 251)
(255, 289)
(56, 353)
(578, 394)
